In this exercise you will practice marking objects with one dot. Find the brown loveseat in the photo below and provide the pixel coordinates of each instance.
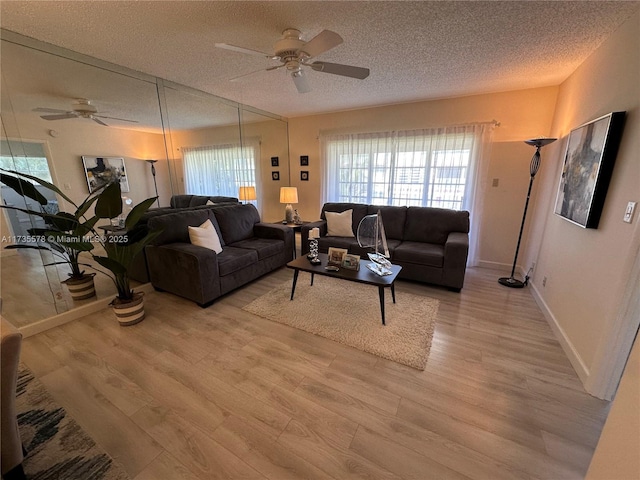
(431, 244)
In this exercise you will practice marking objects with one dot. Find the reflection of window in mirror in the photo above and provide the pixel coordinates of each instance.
(28, 158)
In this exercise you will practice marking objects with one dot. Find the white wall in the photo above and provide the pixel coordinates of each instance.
(617, 455)
(587, 270)
(522, 114)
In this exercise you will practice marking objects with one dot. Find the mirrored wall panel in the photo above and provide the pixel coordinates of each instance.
(67, 117)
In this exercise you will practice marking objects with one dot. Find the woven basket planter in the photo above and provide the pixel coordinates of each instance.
(81, 288)
(129, 312)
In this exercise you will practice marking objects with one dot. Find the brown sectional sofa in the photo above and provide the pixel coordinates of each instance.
(431, 244)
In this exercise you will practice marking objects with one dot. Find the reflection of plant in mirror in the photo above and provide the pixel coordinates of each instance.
(65, 235)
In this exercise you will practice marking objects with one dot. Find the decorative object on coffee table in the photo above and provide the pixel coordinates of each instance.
(335, 256)
(533, 169)
(371, 235)
(288, 195)
(351, 262)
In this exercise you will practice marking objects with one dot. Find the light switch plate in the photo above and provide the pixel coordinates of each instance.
(628, 213)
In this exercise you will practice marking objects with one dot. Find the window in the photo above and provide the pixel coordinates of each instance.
(439, 167)
(416, 168)
(220, 169)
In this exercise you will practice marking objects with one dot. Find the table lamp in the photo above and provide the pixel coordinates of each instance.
(288, 195)
(247, 194)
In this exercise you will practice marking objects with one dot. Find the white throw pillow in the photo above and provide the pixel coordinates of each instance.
(205, 236)
(209, 202)
(339, 224)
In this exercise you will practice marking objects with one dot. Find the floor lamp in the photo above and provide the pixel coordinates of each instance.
(153, 172)
(533, 169)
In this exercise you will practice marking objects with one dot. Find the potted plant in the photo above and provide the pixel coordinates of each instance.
(65, 234)
(121, 250)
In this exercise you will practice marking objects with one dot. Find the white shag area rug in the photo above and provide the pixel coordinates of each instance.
(349, 313)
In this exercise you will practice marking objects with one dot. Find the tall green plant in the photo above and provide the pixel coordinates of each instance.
(121, 251)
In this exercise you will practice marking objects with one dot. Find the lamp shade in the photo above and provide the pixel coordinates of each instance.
(247, 193)
(288, 195)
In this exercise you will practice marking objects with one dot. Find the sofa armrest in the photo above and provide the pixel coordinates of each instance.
(184, 269)
(456, 250)
(304, 234)
(277, 232)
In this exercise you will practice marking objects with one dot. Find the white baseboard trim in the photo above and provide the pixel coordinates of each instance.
(66, 317)
(574, 357)
(503, 267)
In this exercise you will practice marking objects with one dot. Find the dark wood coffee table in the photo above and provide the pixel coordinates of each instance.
(364, 275)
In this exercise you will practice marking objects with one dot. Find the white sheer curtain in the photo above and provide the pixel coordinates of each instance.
(220, 169)
(440, 167)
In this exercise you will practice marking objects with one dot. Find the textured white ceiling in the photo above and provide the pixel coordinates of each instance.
(415, 50)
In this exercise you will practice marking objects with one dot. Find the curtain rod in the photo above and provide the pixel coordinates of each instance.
(494, 123)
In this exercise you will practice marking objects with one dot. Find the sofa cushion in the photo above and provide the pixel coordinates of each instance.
(421, 253)
(233, 259)
(359, 212)
(393, 219)
(433, 225)
(266, 247)
(174, 226)
(339, 224)
(205, 236)
(349, 243)
(236, 221)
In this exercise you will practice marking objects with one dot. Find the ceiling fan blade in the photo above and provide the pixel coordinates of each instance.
(49, 110)
(325, 40)
(301, 82)
(115, 118)
(234, 79)
(58, 117)
(338, 69)
(248, 51)
(97, 120)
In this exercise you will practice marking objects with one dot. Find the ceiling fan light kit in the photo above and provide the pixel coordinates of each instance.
(294, 53)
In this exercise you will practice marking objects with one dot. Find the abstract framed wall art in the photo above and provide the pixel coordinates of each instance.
(103, 170)
(588, 165)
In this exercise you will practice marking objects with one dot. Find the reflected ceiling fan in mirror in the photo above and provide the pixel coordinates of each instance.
(294, 54)
(80, 108)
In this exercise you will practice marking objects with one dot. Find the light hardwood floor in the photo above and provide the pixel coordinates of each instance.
(212, 393)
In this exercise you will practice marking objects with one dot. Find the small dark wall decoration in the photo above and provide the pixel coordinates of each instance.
(275, 175)
(304, 176)
(275, 161)
(588, 165)
(304, 160)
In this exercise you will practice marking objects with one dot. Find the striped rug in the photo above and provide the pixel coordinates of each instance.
(57, 447)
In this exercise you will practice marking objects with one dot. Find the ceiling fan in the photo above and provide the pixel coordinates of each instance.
(80, 108)
(294, 54)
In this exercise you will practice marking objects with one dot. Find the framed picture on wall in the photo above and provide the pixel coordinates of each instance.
(100, 171)
(304, 176)
(588, 164)
(275, 161)
(275, 175)
(304, 160)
